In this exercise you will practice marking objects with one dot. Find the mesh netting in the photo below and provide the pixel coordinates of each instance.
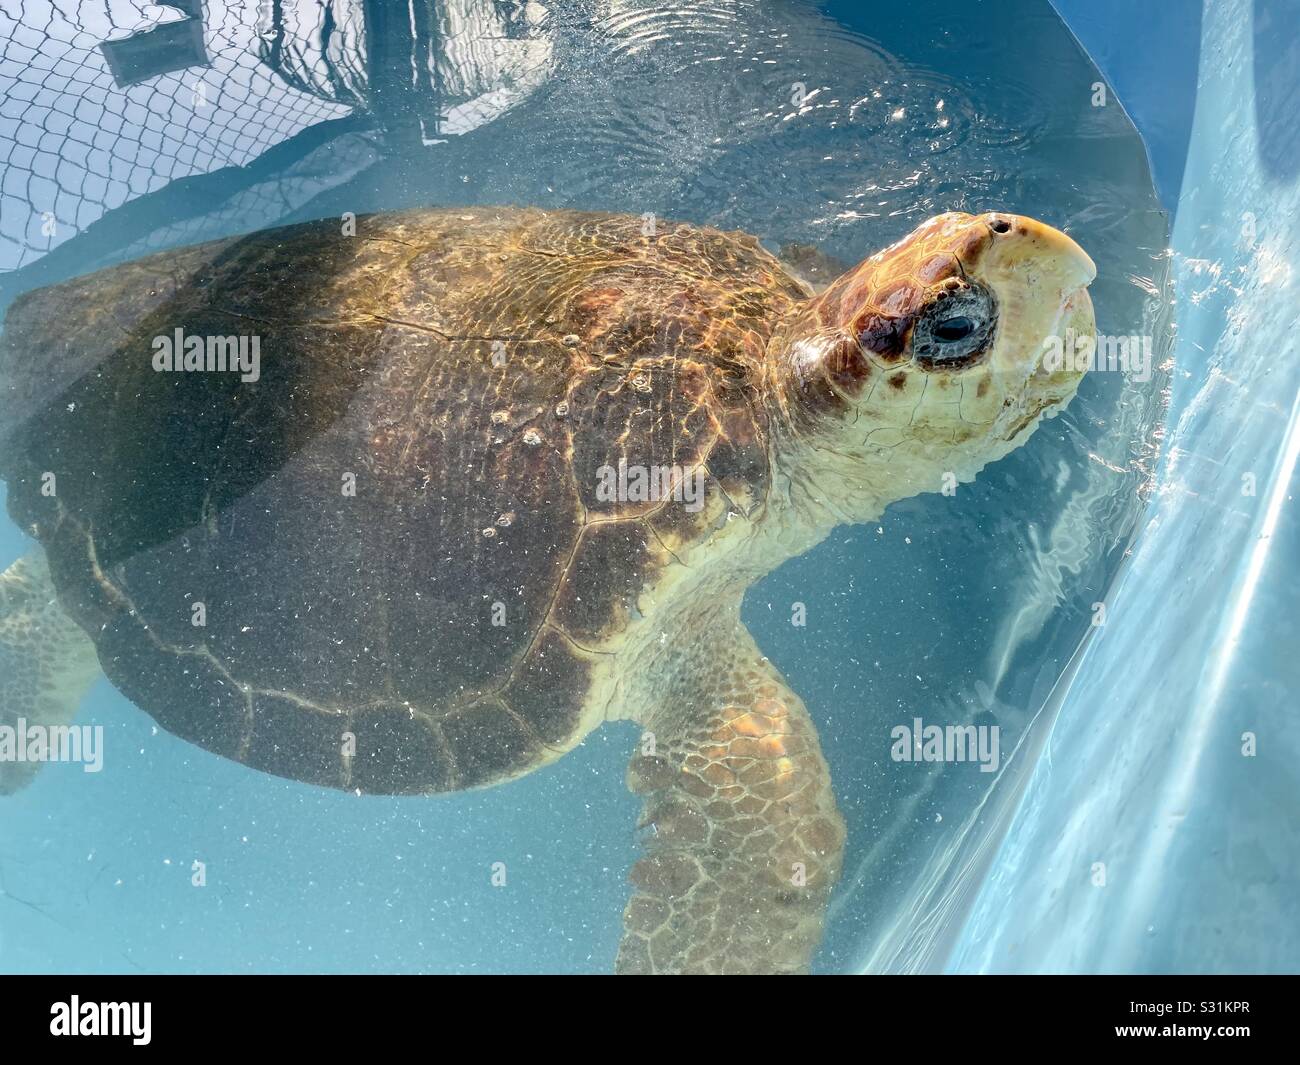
(74, 143)
(105, 101)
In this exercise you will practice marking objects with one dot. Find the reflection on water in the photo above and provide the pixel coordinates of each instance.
(817, 125)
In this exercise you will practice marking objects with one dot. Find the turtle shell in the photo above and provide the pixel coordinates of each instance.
(383, 555)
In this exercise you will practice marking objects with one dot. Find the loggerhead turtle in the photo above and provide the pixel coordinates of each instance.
(500, 475)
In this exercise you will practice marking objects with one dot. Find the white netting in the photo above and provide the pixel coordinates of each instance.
(78, 138)
(74, 144)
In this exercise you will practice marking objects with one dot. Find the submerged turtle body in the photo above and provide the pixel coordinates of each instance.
(413, 508)
(402, 529)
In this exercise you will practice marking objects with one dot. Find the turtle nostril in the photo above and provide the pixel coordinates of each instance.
(1000, 225)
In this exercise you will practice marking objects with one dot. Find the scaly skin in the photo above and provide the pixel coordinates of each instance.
(47, 664)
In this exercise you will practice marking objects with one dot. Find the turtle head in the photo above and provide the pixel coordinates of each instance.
(929, 360)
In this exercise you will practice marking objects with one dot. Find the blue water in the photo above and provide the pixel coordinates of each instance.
(1148, 768)
(961, 610)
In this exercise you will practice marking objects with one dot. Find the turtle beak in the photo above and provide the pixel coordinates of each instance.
(1039, 253)
(1040, 277)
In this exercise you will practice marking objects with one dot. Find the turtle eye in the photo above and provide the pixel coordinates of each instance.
(951, 330)
(956, 328)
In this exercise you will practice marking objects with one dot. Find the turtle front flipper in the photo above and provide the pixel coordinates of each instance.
(743, 838)
(47, 663)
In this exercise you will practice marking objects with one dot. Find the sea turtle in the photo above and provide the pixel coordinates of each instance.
(498, 475)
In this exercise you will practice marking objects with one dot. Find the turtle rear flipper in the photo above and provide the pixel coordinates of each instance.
(744, 842)
(47, 663)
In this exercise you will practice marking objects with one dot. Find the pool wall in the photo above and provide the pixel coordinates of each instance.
(1160, 828)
